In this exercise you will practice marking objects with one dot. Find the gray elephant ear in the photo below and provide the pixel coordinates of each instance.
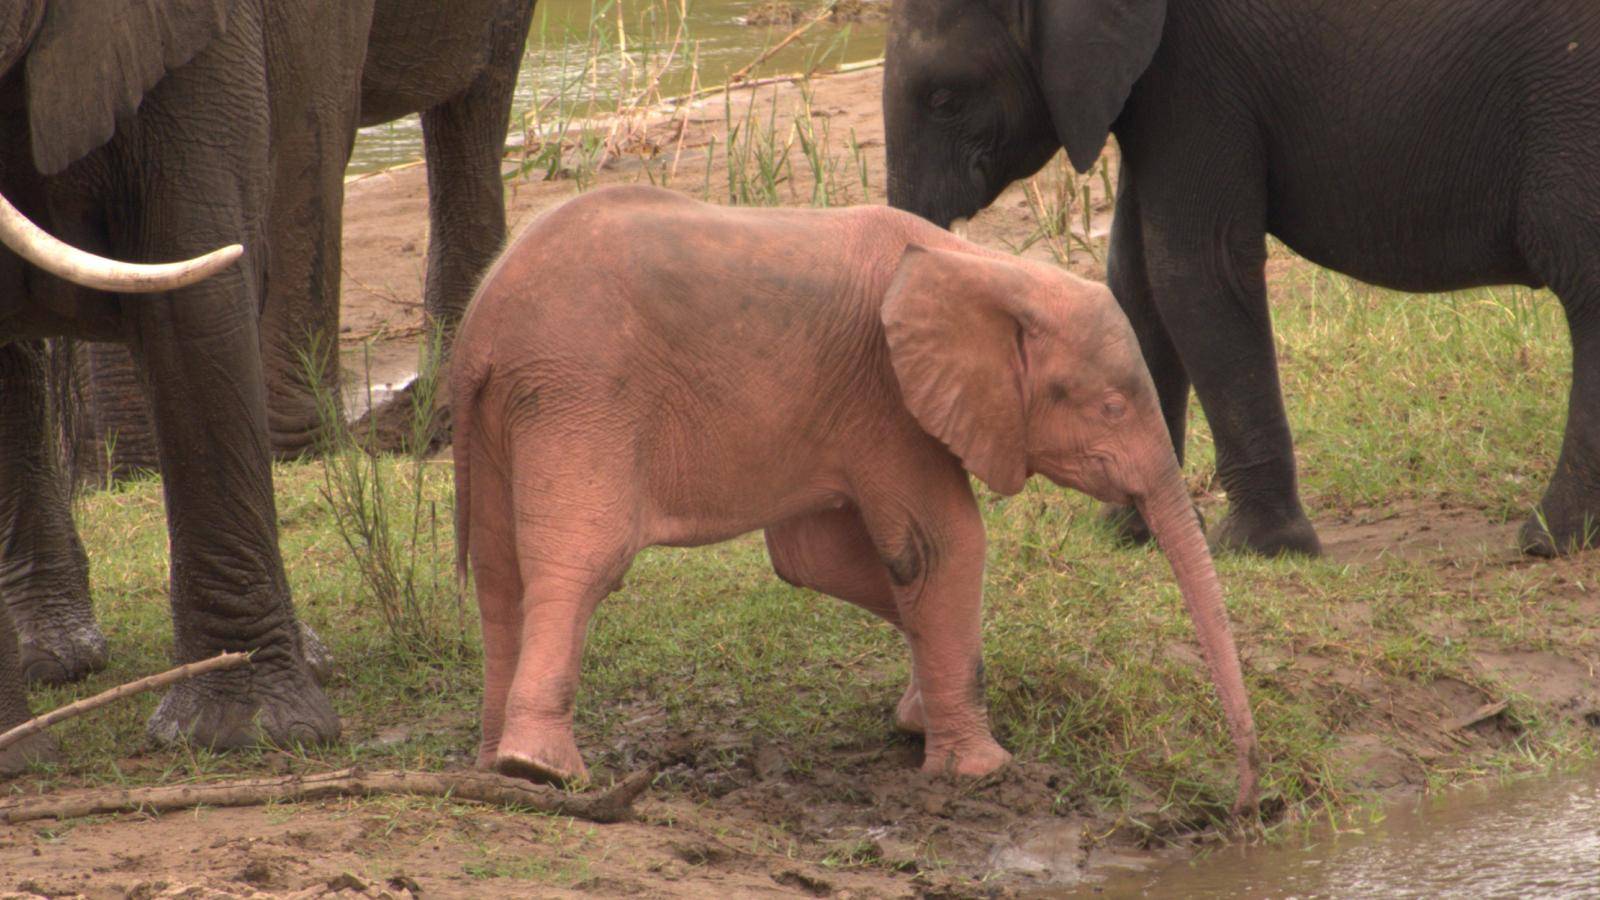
(94, 60)
(1089, 53)
(953, 327)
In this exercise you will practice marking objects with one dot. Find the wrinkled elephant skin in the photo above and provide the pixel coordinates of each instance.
(159, 106)
(828, 376)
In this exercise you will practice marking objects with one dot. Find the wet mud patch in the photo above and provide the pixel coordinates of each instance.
(867, 812)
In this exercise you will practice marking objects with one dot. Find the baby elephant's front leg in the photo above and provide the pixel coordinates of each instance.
(940, 596)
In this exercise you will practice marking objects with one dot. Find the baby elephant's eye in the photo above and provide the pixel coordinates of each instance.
(1113, 408)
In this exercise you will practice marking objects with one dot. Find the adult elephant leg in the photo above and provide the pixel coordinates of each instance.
(1207, 260)
(199, 352)
(314, 51)
(1568, 517)
(14, 706)
(119, 438)
(1129, 280)
(196, 177)
(44, 574)
(463, 141)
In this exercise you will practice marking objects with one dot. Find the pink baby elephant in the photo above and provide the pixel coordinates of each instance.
(641, 368)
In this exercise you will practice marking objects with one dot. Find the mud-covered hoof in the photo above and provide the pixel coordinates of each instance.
(62, 656)
(34, 750)
(559, 768)
(1265, 536)
(1549, 537)
(319, 659)
(280, 706)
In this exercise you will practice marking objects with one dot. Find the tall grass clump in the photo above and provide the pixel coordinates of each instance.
(395, 523)
(1063, 204)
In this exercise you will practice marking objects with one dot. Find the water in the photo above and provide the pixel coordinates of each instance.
(561, 39)
(1534, 838)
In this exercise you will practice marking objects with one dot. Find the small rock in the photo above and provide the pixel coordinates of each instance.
(698, 852)
(344, 881)
(769, 763)
(805, 881)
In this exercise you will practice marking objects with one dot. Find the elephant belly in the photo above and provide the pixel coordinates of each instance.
(1428, 226)
(1403, 256)
(718, 512)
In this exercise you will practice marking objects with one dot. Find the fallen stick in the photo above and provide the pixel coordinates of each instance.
(612, 805)
(152, 683)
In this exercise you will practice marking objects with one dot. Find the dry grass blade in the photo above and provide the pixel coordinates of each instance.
(152, 683)
(612, 805)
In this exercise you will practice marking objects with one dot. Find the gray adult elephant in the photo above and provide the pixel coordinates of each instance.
(1421, 145)
(456, 63)
(140, 129)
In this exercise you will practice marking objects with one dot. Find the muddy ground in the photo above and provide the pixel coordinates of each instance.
(732, 816)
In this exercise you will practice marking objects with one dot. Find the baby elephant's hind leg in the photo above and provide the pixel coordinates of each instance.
(831, 553)
(498, 583)
(568, 561)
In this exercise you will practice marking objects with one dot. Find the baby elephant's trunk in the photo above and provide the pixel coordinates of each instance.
(1169, 513)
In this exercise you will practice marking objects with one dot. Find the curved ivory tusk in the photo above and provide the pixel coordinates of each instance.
(35, 245)
(958, 227)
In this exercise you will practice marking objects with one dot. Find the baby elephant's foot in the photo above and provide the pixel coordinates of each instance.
(909, 717)
(546, 756)
(969, 757)
(486, 755)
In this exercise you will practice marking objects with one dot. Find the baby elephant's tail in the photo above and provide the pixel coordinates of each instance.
(471, 372)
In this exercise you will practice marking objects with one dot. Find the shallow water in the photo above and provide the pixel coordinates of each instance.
(561, 38)
(1538, 837)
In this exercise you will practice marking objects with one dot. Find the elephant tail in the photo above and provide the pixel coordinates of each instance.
(471, 373)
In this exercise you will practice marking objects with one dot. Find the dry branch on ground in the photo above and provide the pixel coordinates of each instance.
(611, 805)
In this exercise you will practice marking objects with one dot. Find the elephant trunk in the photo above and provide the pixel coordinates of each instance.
(33, 244)
(1170, 514)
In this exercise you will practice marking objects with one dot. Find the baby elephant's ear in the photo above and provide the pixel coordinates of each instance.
(955, 341)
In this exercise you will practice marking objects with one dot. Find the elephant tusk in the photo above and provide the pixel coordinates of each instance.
(37, 246)
(958, 227)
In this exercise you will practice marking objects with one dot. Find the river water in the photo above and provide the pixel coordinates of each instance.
(567, 33)
(1536, 837)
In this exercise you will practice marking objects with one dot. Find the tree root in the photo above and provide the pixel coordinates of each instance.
(612, 805)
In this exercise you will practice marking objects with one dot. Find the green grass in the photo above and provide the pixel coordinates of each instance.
(1086, 644)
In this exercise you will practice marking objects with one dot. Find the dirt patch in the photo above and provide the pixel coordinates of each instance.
(870, 826)
(1417, 531)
